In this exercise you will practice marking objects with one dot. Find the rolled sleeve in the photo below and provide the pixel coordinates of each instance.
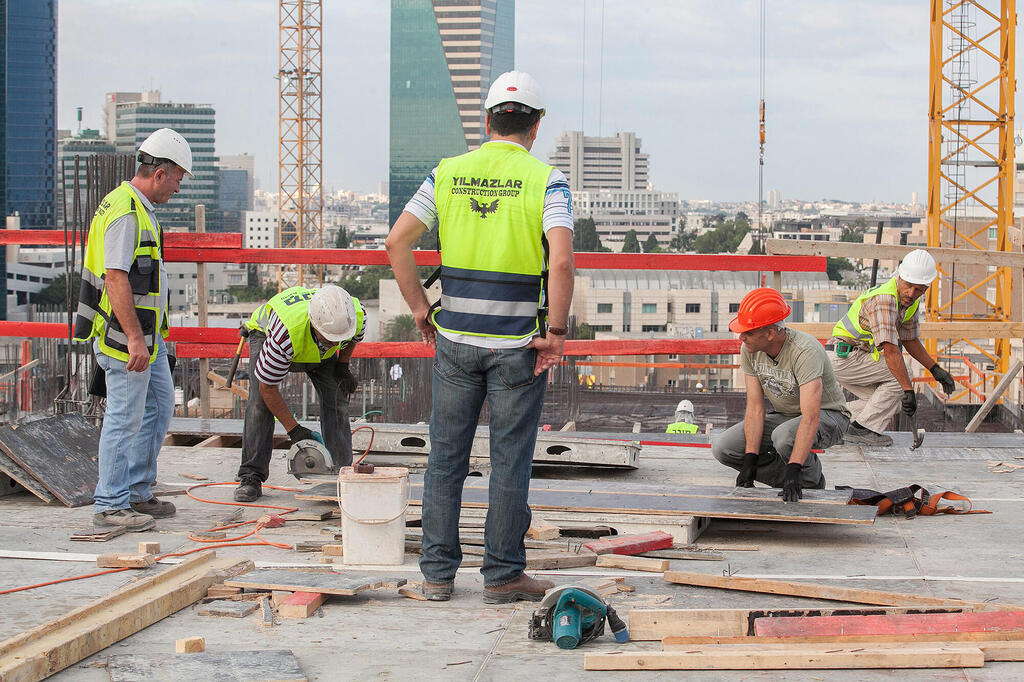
(423, 204)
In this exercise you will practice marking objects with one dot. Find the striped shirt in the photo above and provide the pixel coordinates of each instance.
(276, 354)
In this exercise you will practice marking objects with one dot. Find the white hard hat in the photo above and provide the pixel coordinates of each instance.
(333, 313)
(167, 144)
(699, 385)
(918, 267)
(684, 406)
(515, 86)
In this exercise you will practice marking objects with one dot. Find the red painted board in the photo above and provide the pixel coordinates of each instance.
(631, 544)
(219, 240)
(896, 624)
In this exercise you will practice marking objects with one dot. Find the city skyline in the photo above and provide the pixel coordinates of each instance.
(846, 90)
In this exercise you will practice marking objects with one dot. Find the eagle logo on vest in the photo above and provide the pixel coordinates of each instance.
(483, 209)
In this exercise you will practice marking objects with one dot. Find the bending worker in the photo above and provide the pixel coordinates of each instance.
(878, 321)
(299, 330)
(683, 420)
(493, 343)
(791, 368)
(122, 305)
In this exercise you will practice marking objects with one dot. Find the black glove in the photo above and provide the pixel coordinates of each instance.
(343, 375)
(747, 471)
(791, 483)
(300, 432)
(944, 378)
(909, 403)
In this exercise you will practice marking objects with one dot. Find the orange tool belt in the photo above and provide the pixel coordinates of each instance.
(912, 500)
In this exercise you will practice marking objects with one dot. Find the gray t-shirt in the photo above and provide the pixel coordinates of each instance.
(119, 247)
(801, 360)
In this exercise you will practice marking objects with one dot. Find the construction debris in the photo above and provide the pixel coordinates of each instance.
(230, 608)
(115, 560)
(301, 604)
(631, 544)
(189, 645)
(632, 563)
(96, 534)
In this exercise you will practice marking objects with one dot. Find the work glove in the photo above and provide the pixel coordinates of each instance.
(300, 432)
(791, 483)
(343, 375)
(909, 403)
(747, 471)
(944, 378)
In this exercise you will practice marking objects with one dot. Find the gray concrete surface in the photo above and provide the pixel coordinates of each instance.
(382, 636)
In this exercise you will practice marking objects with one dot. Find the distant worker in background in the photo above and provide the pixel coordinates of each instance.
(683, 419)
(504, 222)
(877, 323)
(122, 306)
(791, 368)
(299, 330)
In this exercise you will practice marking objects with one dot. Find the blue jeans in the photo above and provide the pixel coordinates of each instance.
(139, 410)
(463, 377)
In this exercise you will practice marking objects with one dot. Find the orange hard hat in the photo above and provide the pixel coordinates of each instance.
(760, 308)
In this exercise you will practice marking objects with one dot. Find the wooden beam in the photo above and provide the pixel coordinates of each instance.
(222, 382)
(896, 624)
(994, 648)
(853, 250)
(61, 642)
(301, 604)
(791, 658)
(632, 563)
(981, 329)
(994, 396)
(831, 592)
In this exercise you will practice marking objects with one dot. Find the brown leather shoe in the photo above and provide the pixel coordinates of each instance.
(522, 588)
(158, 509)
(437, 591)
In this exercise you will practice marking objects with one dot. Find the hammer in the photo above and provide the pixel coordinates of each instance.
(243, 331)
(918, 433)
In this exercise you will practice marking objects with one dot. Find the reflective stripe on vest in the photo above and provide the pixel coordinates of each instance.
(292, 308)
(490, 205)
(849, 325)
(94, 316)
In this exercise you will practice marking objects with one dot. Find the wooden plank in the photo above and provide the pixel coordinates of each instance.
(326, 582)
(631, 544)
(853, 250)
(819, 658)
(908, 623)
(632, 563)
(60, 452)
(208, 666)
(994, 650)
(979, 639)
(542, 530)
(222, 382)
(61, 642)
(547, 559)
(994, 396)
(116, 560)
(96, 534)
(683, 555)
(149, 548)
(656, 624)
(818, 591)
(301, 604)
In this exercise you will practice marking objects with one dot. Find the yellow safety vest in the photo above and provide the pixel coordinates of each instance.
(490, 207)
(94, 317)
(681, 427)
(849, 325)
(292, 307)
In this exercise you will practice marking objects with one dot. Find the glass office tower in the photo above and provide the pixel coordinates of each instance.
(444, 55)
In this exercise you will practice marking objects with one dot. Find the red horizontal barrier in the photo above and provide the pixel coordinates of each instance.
(215, 240)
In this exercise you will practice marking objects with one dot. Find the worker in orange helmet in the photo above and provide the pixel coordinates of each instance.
(791, 368)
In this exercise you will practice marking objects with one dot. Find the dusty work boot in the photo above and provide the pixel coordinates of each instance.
(522, 588)
(858, 435)
(438, 591)
(131, 521)
(249, 489)
(158, 509)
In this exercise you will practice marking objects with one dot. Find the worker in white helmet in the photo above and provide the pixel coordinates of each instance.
(866, 354)
(504, 220)
(299, 330)
(683, 422)
(122, 308)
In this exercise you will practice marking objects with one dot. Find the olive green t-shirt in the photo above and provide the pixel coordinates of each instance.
(801, 360)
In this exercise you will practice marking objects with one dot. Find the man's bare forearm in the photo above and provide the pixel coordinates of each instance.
(898, 368)
(804, 439)
(274, 401)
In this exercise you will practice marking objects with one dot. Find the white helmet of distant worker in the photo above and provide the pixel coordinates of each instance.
(517, 89)
(684, 406)
(699, 386)
(166, 144)
(333, 313)
(918, 267)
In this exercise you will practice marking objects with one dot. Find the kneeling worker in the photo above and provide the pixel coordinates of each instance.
(299, 330)
(683, 420)
(791, 368)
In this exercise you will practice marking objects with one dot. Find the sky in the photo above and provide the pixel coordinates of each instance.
(846, 85)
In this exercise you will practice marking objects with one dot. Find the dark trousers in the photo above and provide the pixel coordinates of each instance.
(258, 431)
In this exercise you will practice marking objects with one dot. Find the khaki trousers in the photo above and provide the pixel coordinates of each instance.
(872, 382)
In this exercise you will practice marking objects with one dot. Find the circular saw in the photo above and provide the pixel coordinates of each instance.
(310, 457)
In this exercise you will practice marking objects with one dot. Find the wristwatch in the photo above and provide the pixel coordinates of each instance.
(558, 331)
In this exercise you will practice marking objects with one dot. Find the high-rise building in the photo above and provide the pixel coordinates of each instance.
(237, 182)
(591, 163)
(774, 198)
(134, 121)
(444, 56)
(86, 143)
(111, 101)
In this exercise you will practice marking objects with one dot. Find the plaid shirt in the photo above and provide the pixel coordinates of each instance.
(882, 316)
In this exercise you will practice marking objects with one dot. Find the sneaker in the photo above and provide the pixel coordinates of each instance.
(522, 588)
(249, 490)
(858, 435)
(438, 591)
(158, 509)
(131, 521)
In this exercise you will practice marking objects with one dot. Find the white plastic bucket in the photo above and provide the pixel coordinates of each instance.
(373, 515)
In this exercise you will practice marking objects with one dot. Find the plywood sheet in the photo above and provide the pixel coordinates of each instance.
(322, 581)
(60, 452)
